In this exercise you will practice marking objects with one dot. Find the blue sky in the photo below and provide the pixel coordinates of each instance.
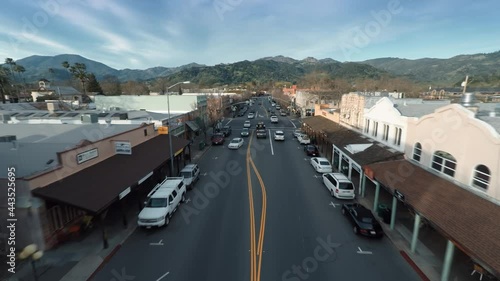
(141, 34)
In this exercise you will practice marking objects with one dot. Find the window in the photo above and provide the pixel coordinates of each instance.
(444, 162)
(481, 177)
(397, 136)
(417, 152)
(375, 128)
(386, 132)
(145, 132)
(367, 126)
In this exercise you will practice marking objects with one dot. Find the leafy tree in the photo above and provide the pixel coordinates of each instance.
(4, 82)
(111, 86)
(93, 85)
(180, 91)
(47, 97)
(135, 88)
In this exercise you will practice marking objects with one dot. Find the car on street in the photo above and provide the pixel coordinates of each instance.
(274, 119)
(279, 136)
(311, 150)
(273, 104)
(278, 107)
(247, 124)
(235, 143)
(283, 113)
(245, 132)
(339, 185)
(251, 115)
(362, 219)
(218, 138)
(191, 174)
(303, 139)
(226, 130)
(321, 165)
(297, 132)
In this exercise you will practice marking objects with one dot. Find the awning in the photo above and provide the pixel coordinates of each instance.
(465, 218)
(193, 126)
(97, 187)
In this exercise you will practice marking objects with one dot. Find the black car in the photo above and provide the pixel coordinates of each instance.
(311, 150)
(226, 131)
(217, 138)
(362, 219)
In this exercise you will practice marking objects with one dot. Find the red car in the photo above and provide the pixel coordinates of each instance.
(311, 150)
(218, 139)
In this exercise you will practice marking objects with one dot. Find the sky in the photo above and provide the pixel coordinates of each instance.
(142, 34)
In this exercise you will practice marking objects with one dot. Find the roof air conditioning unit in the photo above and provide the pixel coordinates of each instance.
(4, 118)
(90, 118)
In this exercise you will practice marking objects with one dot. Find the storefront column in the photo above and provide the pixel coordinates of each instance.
(393, 211)
(416, 229)
(377, 191)
(363, 184)
(104, 231)
(448, 260)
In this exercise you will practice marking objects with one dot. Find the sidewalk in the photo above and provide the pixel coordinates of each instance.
(78, 260)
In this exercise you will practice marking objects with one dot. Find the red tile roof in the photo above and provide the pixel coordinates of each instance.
(470, 221)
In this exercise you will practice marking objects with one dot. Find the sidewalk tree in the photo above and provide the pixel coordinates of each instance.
(214, 112)
(93, 85)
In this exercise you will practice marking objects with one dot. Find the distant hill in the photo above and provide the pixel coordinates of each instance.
(483, 69)
(37, 67)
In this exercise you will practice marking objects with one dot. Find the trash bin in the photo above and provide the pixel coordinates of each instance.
(386, 216)
(381, 208)
(202, 145)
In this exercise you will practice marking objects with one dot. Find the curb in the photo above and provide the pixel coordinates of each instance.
(207, 148)
(105, 261)
(414, 266)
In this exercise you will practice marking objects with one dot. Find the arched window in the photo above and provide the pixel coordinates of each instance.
(417, 152)
(481, 177)
(444, 162)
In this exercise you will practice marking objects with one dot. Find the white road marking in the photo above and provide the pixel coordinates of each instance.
(162, 276)
(229, 121)
(363, 252)
(293, 124)
(270, 142)
(305, 159)
(157, 243)
(216, 156)
(332, 204)
(188, 200)
(316, 176)
(204, 174)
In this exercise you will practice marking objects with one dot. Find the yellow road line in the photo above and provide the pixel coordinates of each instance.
(262, 219)
(252, 216)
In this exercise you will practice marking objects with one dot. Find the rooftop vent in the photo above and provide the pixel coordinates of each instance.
(90, 118)
(4, 118)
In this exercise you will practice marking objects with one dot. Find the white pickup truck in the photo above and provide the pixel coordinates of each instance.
(162, 202)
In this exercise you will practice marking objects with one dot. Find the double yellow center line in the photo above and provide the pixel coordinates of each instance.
(255, 264)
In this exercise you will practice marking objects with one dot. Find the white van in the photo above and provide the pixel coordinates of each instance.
(191, 174)
(339, 185)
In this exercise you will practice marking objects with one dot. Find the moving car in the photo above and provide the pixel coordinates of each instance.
(245, 132)
(362, 219)
(279, 136)
(303, 139)
(339, 185)
(283, 113)
(191, 174)
(218, 138)
(260, 131)
(247, 124)
(235, 143)
(278, 107)
(251, 115)
(274, 119)
(311, 150)
(162, 202)
(321, 165)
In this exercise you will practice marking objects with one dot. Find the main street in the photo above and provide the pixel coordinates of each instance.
(257, 213)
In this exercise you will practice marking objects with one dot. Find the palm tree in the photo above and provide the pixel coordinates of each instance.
(67, 66)
(79, 71)
(4, 82)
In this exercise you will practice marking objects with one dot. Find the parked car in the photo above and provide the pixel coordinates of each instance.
(274, 119)
(362, 219)
(339, 185)
(235, 143)
(247, 124)
(296, 133)
(245, 132)
(218, 138)
(162, 202)
(251, 115)
(321, 165)
(303, 139)
(191, 174)
(279, 136)
(311, 150)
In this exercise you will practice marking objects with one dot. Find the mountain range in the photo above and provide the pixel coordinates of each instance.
(484, 70)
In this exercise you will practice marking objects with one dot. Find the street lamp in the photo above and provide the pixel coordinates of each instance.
(31, 251)
(169, 129)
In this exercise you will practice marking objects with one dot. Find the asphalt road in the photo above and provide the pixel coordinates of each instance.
(296, 231)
